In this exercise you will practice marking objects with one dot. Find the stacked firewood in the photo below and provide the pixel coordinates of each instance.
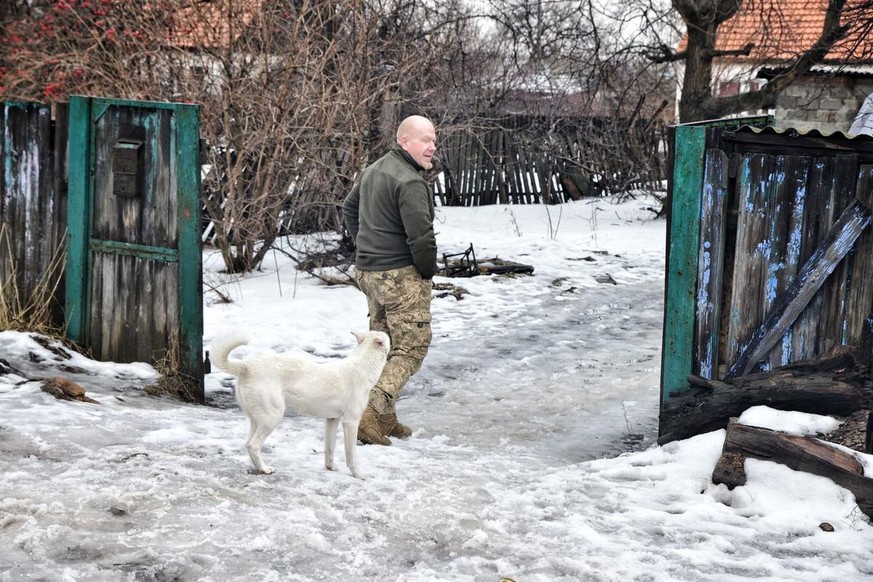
(834, 384)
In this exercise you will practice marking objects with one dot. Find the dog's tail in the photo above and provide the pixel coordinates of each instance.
(220, 352)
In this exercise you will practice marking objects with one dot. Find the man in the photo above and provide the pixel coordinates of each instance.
(389, 215)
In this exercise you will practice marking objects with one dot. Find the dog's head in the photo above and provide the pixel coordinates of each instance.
(376, 340)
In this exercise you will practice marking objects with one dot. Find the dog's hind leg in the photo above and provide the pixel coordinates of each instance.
(350, 438)
(330, 427)
(260, 430)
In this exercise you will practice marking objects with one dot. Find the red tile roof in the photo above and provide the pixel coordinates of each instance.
(782, 29)
(212, 24)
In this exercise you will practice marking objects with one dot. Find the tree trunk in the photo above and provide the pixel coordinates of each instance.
(702, 20)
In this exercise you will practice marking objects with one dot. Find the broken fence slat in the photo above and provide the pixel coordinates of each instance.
(710, 265)
(836, 244)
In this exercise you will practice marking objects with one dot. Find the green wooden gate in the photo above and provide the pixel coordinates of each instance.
(133, 284)
(770, 255)
(689, 201)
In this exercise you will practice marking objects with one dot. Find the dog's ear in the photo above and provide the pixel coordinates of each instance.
(359, 337)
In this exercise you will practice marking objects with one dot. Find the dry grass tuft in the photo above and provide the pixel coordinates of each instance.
(172, 383)
(30, 309)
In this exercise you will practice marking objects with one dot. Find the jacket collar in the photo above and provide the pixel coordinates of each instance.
(406, 157)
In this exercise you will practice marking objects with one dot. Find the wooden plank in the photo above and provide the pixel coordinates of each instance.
(463, 176)
(59, 219)
(521, 171)
(27, 200)
(815, 271)
(451, 171)
(786, 224)
(543, 180)
(859, 302)
(148, 218)
(747, 286)
(777, 232)
(501, 169)
(494, 166)
(832, 313)
(526, 160)
(482, 172)
(684, 234)
(817, 219)
(710, 266)
(138, 319)
(517, 195)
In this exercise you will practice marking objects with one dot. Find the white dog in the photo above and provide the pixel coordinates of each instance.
(336, 390)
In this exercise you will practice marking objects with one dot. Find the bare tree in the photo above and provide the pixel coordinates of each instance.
(296, 95)
(845, 22)
(577, 73)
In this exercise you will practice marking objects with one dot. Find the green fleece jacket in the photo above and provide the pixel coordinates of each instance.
(389, 215)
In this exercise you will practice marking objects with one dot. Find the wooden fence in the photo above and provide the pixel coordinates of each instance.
(530, 160)
(118, 233)
(33, 204)
(770, 257)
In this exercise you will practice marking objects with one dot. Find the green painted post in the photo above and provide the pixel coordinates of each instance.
(187, 119)
(78, 268)
(679, 306)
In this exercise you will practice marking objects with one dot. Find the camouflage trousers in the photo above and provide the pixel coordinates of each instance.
(398, 301)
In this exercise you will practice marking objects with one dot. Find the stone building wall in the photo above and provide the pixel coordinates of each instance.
(827, 104)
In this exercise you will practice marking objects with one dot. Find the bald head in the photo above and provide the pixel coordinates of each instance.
(412, 125)
(417, 136)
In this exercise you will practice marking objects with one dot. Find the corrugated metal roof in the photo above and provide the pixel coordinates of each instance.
(792, 132)
(856, 71)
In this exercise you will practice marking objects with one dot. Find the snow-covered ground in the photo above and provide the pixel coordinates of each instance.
(533, 456)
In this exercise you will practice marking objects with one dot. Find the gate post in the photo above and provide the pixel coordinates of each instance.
(78, 213)
(681, 279)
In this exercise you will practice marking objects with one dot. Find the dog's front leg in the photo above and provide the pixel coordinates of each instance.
(350, 439)
(330, 427)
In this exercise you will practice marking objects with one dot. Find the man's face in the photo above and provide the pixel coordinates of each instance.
(420, 143)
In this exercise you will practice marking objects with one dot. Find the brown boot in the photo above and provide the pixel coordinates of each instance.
(370, 430)
(394, 426)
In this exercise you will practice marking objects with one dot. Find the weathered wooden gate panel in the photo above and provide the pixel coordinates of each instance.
(783, 258)
(134, 274)
(138, 315)
(32, 202)
(134, 177)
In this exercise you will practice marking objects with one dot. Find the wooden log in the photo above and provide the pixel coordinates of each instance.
(796, 452)
(830, 384)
